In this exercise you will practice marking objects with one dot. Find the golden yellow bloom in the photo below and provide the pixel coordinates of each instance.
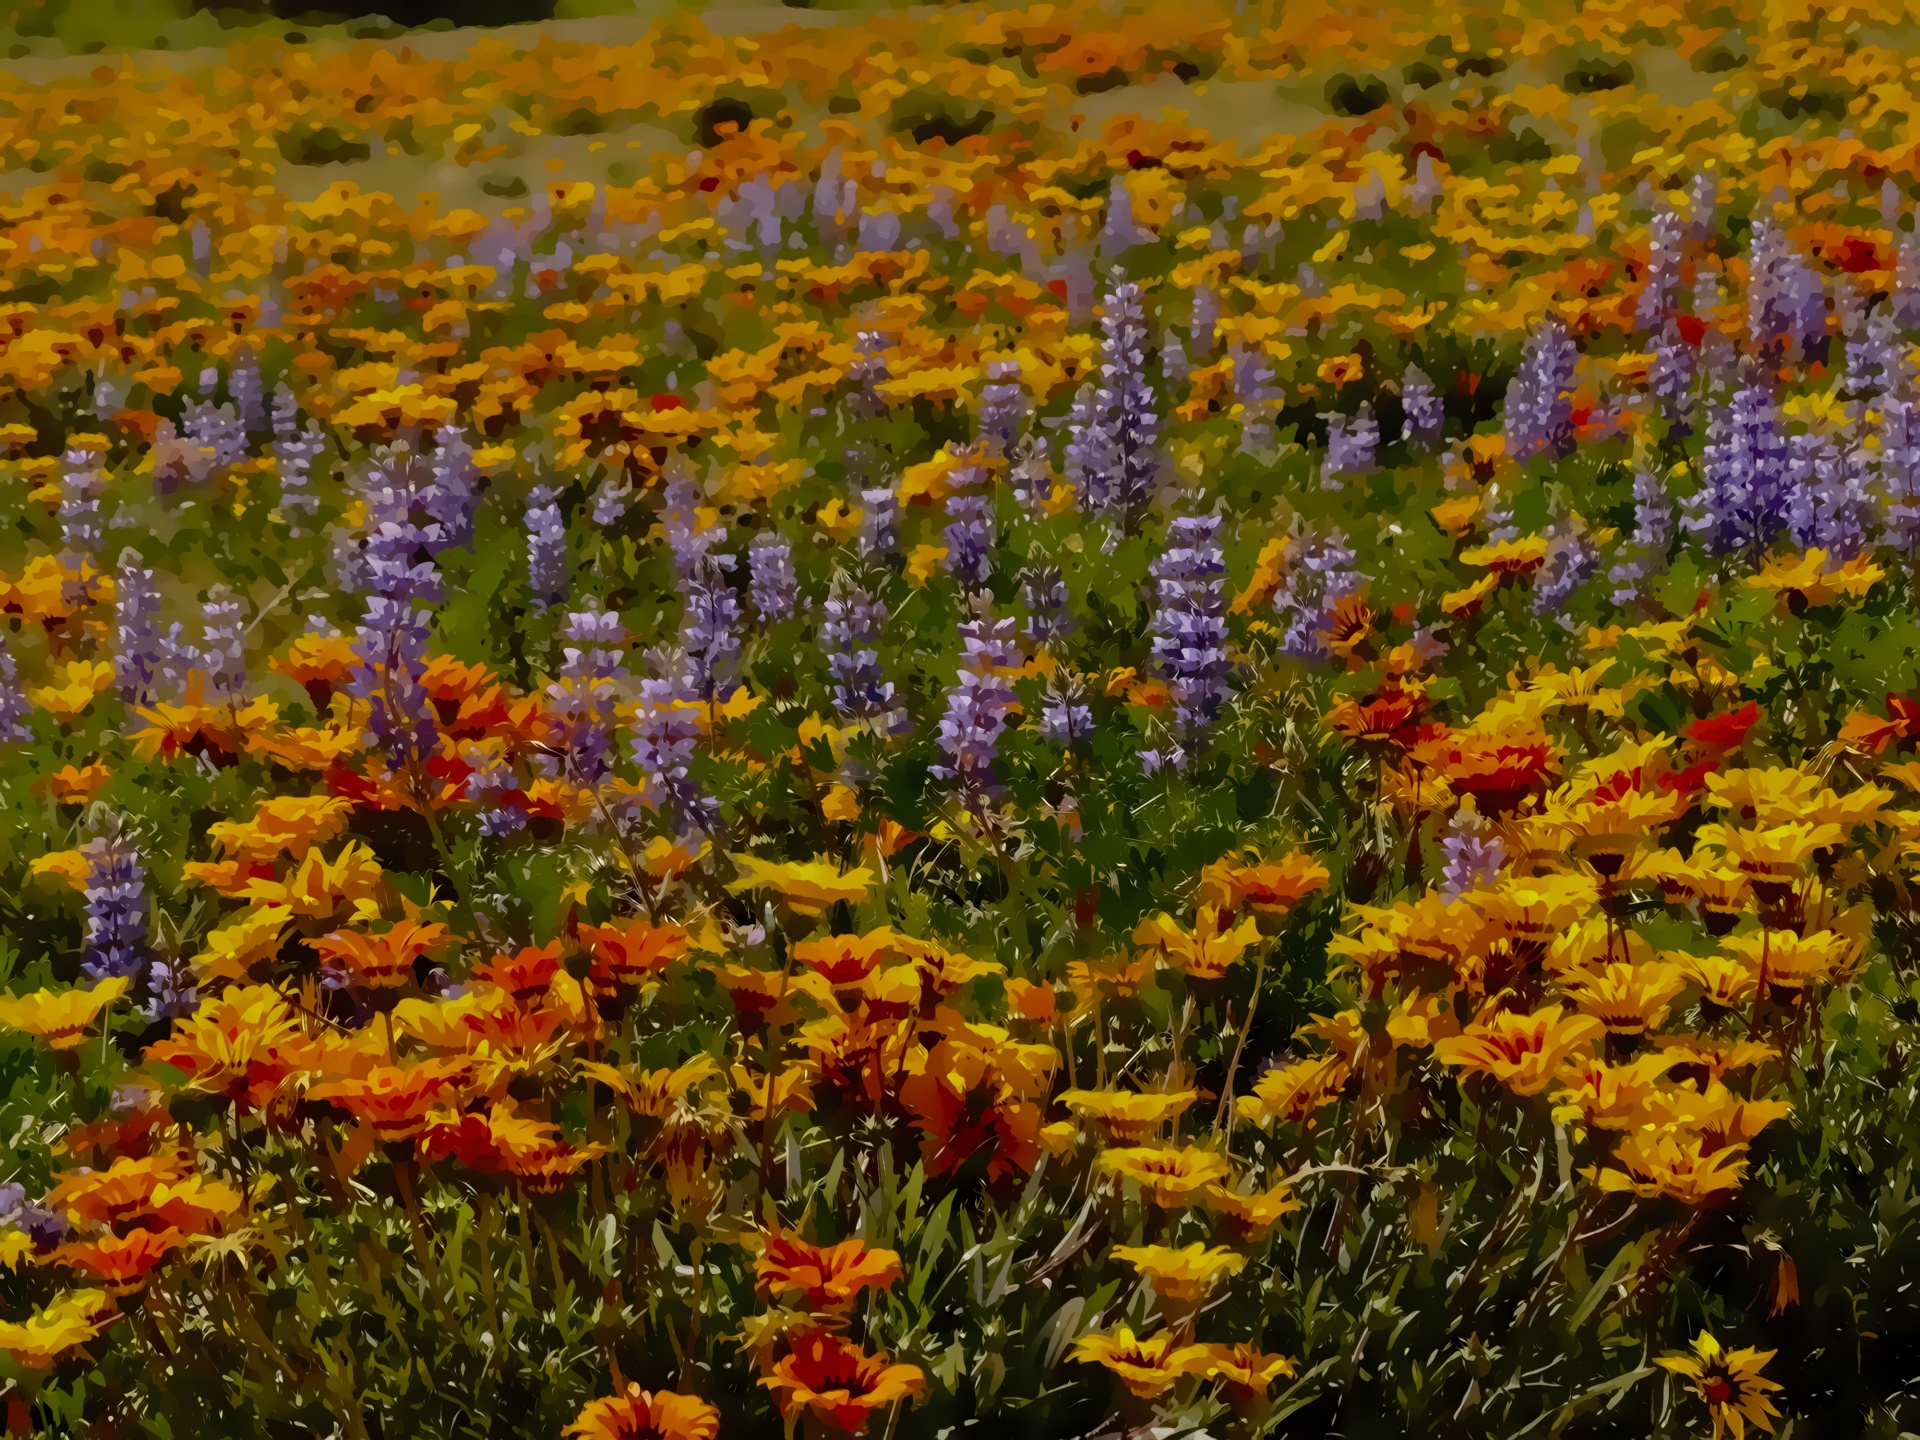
(60, 1017)
(1184, 1274)
(1798, 581)
(643, 1415)
(1171, 1177)
(809, 887)
(1241, 1367)
(1145, 1366)
(1628, 999)
(1609, 1097)
(1728, 1382)
(1252, 1216)
(1205, 951)
(1293, 1092)
(76, 687)
(1269, 888)
(1521, 1051)
(1726, 980)
(1509, 557)
(1774, 854)
(70, 1321)
(1653, 1163)
(1128, 1115)
(1791, 960)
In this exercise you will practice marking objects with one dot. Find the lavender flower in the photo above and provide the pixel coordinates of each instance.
(1126, 396)
(772, 585)
(293, 456)
(977, 709)
(1664, 244)
(879, 520)
(689, 537)
(1702, 201)
(610, 500)
(584, 693)
(1828, 505)
(223, 649)
(1539, 409)
(448, 497)
(546, 548)
(1351, 446)
(1670, 378)
(1259, 399)
(1319, 574)
(1044, 592)
(969, 532)
(1741, 502)
(1876, 362)
(1785, 301)
(1645, 553)
(286, 413)
(1426, 414)
(1003, 408)
(869, 372)
(116, 909)
(1032, 481)
(391, 648)
(137, 642)
(666, 731)
(1090, 456)
(81, 482)
(1474, 857)
(1189, 625)
(248, 391)
(1899, 470)
(495, 790)
(1906, 283)
(850, 634)
(13, 702)
(1571, 560)
(1065, 717)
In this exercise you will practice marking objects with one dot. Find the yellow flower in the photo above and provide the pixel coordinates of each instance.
(72, 1320)
(1798, 581)
(1293, 1092)
(1728, 1382)
(1205, 951)
(1521, 1051)
(1252, 1216)
(60, 1017)
(1788, 959)
(923, 561)
(810, 887)
(1243, 1367)
(1653, 1163)
(1183, 1274)
(1145, 1366)
(79, 682)
(1126, 1115)
(1171, 1177)
(1628, 999)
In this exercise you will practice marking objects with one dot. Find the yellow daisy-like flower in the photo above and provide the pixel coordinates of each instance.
(1185, 1273)
(1145, 1366)
(810, 887)
(1728, 1382)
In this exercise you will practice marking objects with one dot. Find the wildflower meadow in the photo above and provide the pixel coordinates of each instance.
(1177, 720)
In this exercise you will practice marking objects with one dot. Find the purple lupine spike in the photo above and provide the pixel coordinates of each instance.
(293, 457)
(1785, 300)
(1828, 505)
(137, 641)
(582, 697)
(1043, 590)
(1003, 409)
(448, 496)
(1474, 856)
(400, 538)
(666, 733)
(970, 529)
(709, 628)
(1670, 378)
(1742, 499)
(1645, 553)
(82, 479)
(1352, 444)
(1176, 371)
(977, 709)
(1090, 456)
(14, 708)
(1496, 514)
(178, 659)
(1665, 240)
(1065, 717)
(1426, 413)
(223, 646)
(495, 790)
(1572, 557)
(880, 520)
(1032, 481)
(850, 634)
(1189, 625)
(610, 500)
(772, 586)
(1319, 573)
(248, 391)
(215, 429)
(108, 397)
(286, 413)
(116, 908)
(689, 537)
(1906, 283)
(869, 372)
(1719, 358)
(1876, 362)
(546, 548)
(1259, 399)
(1539, 406)
(391, 649)
(1899, 470)
(1125, 395)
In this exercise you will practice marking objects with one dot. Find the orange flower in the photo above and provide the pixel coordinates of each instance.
(633, 953)
(644, 1415)
(245, 1041)
(1270, 888)
(1205, 951)
(1728, 1382)
(383, 961)
(1293, 1092)
(1251, 1216)
(1244, 1369)
(120, 1262)
(839, 1383)
(848, 959)
(394, 1099)
(1522, 1052)
(526, 974)
(1145, 1366)
(829, 1277)
(1654, 1164)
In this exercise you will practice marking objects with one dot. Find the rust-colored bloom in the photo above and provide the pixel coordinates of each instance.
(120, 1262)
(839, 1383)
(633, 953)
(394, 1099)
(829, 1276)
(646, 1415)
(383, 961)
(1271, 888)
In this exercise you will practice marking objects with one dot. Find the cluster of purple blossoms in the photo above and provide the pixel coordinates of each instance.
(666, 733)
(1352, 446)
(1259, 399)
(1003, 409)
(495, 790)
(13, 701)
(1645, 553)
(213, 429)
(116, 908)
(546, 548)
(137, 640)
(1539, 403)
(977, 709)
(1742, 500)
(1670, 378)
(1898, 464)
(1572, 557)
(248, 391)
(1426, 414)
(1189, 625)
(879, 520)
(1785, 300)
(294, 454)
(1319, 574)
(1876, 362)
(586, 688)
(1088, 458)
(1906, 283)
(1128, 405)
(771, 584)
(1065, 717)
(1665, 244)
(868, 372)
(449, 497)
(390, 647)
(850, 634)
(223, 646)
(1828, 503)
(1031, 481)
(1474, 856)
(970, 529)
(1043, 590)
